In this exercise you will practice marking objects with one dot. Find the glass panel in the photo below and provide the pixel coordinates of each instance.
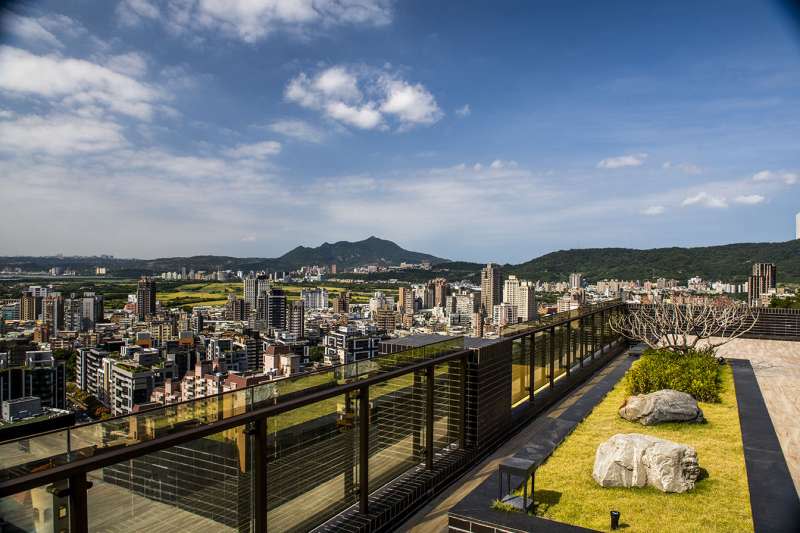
(520, 370)
(541, 360)
(312, 463)
(447, 406)
(396, 427)
(560, 351)
(32, 453)
(40, 509)
(204, 484)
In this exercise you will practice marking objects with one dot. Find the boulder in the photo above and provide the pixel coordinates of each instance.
(635, 460)
(661, 406)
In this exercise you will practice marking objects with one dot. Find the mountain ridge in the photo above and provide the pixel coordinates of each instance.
(729, 262)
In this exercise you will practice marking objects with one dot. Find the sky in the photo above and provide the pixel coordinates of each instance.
(470, 130)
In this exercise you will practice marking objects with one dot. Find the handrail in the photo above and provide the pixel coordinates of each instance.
(541, 324)
(85, 465)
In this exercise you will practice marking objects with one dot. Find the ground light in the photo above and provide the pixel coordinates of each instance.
(614, 519)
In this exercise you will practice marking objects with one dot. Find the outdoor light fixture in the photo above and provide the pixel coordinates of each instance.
(614, 519)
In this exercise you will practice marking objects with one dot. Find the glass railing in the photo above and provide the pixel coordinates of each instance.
(60, 447)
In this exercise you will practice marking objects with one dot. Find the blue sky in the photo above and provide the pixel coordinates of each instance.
(471, 130)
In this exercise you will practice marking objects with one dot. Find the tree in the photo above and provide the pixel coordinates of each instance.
(682, 328)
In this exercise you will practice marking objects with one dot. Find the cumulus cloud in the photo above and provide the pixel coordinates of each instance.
(364, 98)
(653, 210)
(749, 199)
(76, 82)
(297, 129)
(464, 111)
(252, 20)
(706, 200)
(630, 160)
(131, 64)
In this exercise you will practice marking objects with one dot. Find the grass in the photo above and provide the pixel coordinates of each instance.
(566, 491)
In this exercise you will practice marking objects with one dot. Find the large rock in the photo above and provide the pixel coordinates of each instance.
(635, 460)
(661, 406)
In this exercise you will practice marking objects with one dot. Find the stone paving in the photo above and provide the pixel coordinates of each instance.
(777, 368)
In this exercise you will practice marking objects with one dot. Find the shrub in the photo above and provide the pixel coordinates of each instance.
(696, 373)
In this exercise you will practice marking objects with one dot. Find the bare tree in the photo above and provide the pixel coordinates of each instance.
(682, 328)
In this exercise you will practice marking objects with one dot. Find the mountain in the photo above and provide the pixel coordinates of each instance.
(730, 262)
(349, 254)
(344, 254)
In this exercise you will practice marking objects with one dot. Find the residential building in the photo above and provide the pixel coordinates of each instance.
(440, 290)
(296, 319)
(491, 294)
(253, 287)
(405, 300)
(316, 298)
(575, 281)
(761, 282)
(504, 314)
(350, 343)
(39, 375)
(146, 298)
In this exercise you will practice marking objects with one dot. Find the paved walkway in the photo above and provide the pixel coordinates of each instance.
(545, 431)
(777, 368)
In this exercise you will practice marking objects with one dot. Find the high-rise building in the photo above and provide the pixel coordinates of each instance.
(341, 304)
(385, 319)
(491, 277)
(73, 313)
(253, 287)
(314, 298)
(91, 310)
(526, 301)
(27, 306)
(763, 280)
(439, 292)
(146, 298)
(296, 319)
(53, 312)
(575, 280)
(405, 300)
(276, 305)
(504, 314)
(511, 290)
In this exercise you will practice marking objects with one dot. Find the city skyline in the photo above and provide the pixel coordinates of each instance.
(177, 129)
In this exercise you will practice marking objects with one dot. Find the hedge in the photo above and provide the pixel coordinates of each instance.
(696, 373)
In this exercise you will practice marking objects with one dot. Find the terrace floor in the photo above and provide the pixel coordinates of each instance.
(777, 368)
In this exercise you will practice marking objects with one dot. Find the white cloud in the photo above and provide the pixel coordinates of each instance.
(749, 199)
(59, 135)
(498, 164)
(706, 200)
(653, 210)
(686, 168)
(77, 82)
(764, 175)
(364, 98)
(411, 104)
(131, 64)
(132, 12)
(253, 20)
(464, 111)
(298, 129)
(31, 30)
(248, 238)
(260, 150)
(789, 178)
(630, 160)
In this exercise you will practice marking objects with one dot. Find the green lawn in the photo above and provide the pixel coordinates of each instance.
(566, 491)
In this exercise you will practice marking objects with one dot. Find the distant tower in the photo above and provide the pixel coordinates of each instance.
(797, 226)
(146, 298)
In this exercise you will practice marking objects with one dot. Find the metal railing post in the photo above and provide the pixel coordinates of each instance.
(429, 418)
(363, 449)
(552, 357)
(568, 335)
(78, 505)
(581, 348)
(260, 475)
(532, 368)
